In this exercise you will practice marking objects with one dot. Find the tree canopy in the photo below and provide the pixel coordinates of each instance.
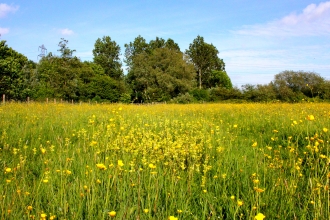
(205, 58)
(106, 54)
(157, 71)
(160, 76)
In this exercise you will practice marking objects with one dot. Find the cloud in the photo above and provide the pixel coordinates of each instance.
(314, 20)
(4, 30)
(66, 31)
(5, 9)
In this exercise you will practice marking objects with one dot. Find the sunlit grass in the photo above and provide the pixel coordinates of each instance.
(211, 161)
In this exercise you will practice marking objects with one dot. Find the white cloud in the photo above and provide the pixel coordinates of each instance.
(4, 30)
(314, 20)
(5, 9)
(66, 31)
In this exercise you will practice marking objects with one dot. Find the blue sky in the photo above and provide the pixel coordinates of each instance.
(256, 39)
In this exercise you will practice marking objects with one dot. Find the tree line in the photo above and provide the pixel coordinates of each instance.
(157, 71)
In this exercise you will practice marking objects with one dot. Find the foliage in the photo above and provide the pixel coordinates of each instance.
(58, 78)
(217, 78)
(200, 94)
(157, 71)
(259, 93)
(12, 74)
(66, 52)
(222, 93)
(183, 99)
(160, 75)
(291, 85)
(138, 46)
(106, 54)
(205, 58)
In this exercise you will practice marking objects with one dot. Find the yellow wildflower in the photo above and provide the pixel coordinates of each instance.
(239, 202)
(258, 189)
(152, 166)
(259, 216)
(120, 163)
(310, 118)
(112, 214)
(43, 216)
(101, 166)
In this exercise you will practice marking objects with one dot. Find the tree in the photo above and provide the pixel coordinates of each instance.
(217, 78)
(161, 75)
(12, 64)
(205, 58)
(157, 43)
(291, 85)
(65, 51)
(170, 44)
(138, 46)
(106, 53)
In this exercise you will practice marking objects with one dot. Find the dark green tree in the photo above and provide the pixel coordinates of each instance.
(205, 58)
(157, 43)
(13, 66)
(106, 53)
(170, 44)
(161, 75)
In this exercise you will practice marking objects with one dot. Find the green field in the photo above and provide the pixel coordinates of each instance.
(210, 161)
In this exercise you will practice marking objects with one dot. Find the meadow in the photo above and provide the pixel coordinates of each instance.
(197, 161)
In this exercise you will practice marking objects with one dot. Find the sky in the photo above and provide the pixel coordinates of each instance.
(256, 39)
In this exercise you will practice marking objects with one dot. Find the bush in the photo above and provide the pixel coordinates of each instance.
(200, 95)
(221, 93)
(183, 99)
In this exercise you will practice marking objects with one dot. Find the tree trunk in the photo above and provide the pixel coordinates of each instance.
(200, 78)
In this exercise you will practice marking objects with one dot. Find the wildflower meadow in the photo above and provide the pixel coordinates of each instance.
(196, 161)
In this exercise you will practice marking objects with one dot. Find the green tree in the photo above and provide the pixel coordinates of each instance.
(205, 58)
(217, 78)
(138, 46)
(65, 51)
(292, 85)
(106, 53)
(161, 75)
(157, 43)
(57, 77)
(170, 44)
(12, 65)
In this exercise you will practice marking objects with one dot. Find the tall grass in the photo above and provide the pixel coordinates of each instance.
(211, 161)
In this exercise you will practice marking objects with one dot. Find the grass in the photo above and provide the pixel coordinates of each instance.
(199, 161)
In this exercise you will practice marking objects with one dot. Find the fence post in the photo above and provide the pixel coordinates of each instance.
(55, 101)
(28, 100)
(3, 99)
(47, 100)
